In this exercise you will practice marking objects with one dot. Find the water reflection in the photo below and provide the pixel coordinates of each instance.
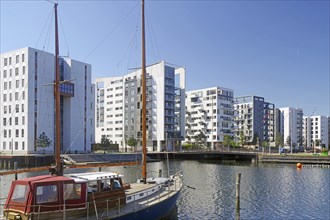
(267, 191)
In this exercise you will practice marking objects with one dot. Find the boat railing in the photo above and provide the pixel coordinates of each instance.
(109, 210)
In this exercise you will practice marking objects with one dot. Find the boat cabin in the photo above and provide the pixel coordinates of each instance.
(53, 197)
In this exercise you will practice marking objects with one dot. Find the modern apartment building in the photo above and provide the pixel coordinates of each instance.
(119, 107)
(209, 112)
(254, 119)
(292, 127)
(27, 102)
(315, 132)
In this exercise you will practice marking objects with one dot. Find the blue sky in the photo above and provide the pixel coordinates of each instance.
(275, 49)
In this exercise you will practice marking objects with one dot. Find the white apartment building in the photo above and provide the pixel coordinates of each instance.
(292, 127)
(119, 107)
(27, 78)
(315, 131)
(254, 120)
(210, 112)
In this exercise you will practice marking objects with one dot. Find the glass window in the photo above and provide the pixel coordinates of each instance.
(20, 193)
(72, 191)
(46, 194)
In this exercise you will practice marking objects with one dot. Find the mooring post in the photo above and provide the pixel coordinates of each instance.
(238, 186)
(15, 168)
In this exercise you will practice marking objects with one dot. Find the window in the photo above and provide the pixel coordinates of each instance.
(16, 122)
(23, 71)
(4, 97)
(23, 58)
(23, 95)
(46, 194)
(5, 86)
(72, 191)
(23, 145)
(17, 135)
(23, 120)
(16, 71)
(5, 61)
(22, 132)
(16, 96)
(23, 83)
(20, 194)
(16, 145)
(4, 145)
(5, 133)
(5, 109)
(17, 58)
(9, 60)
(22, 108)
(4, 73)
(17, 83)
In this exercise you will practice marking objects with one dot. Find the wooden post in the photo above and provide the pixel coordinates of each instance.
(15, 168)
(238, 186)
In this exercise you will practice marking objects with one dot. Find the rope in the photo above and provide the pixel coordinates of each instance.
(111, 31)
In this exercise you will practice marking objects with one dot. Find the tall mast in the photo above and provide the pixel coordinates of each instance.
(144, 135)
(59, 169)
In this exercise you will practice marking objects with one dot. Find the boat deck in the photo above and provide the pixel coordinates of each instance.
(148, 201)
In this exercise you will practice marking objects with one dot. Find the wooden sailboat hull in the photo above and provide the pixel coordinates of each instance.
(157, 211)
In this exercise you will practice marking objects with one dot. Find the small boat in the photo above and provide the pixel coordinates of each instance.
(92, 195)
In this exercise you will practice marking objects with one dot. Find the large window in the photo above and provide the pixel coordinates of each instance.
(19, 194)
(46, 194)
(72, 191)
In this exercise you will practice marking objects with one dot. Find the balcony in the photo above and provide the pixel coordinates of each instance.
(67, 89)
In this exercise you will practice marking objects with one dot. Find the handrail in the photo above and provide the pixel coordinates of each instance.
(164, 192)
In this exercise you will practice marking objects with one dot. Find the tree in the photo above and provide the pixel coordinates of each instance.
(278, 139)
(317, 142)
(255, 139)
(228, 141)
(264, 145)
(43, 141)
(105, 142)
(132, 142)
(288, 141)
(242, 139)
(200, 139)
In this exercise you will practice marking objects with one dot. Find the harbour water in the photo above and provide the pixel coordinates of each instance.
(268, 191)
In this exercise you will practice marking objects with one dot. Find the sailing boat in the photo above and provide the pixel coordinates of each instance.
(93, 195)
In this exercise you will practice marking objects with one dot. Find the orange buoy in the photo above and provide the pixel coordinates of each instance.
(299, 165)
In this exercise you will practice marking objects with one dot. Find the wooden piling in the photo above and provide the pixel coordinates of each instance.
(15, 168)
(238, 186)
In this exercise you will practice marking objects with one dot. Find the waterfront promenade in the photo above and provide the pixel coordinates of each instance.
(24, 161)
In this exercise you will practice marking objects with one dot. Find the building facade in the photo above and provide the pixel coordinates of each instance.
(119, 108)
(292, 127)
(209, 114)
(315, 132)
(254, 120)
(27, 102)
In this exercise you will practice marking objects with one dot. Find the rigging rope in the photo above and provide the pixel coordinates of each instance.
(110, 32)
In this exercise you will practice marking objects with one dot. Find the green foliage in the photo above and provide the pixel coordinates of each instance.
(200, 139)
(132, 142)
(43, 141)
(229, 141)
(105, 141)
(279, 139)
(288, 141)
(242, 139)
(317, 142)
(264, 144)
(255, 139)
